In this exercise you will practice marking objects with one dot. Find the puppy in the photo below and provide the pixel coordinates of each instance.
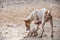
(39, 17)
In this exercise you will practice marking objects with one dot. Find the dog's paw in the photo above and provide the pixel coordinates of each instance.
(34, 35)
(40, 36)
(51, 35)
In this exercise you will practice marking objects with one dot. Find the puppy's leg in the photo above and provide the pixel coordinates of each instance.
(37, 28)
(51, 23)
(35, 33)
(43, 23)
(30, 33)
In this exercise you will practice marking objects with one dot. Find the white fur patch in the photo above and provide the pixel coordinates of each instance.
(37, 13)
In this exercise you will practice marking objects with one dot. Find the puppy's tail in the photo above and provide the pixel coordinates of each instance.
(50, 8)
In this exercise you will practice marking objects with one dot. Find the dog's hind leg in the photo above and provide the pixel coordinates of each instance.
(51, 23)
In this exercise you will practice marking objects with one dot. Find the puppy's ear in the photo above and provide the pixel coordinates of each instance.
(26, 20)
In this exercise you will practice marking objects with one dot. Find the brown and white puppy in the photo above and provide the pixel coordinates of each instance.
(39, 17)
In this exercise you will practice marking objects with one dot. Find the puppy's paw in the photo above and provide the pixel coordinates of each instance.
(40, 36)
(51, 35)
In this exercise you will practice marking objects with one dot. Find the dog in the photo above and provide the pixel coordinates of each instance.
(39, 17)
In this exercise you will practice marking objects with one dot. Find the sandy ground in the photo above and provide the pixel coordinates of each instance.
(12, 25)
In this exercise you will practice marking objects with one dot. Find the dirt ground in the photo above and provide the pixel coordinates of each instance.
(12, 25)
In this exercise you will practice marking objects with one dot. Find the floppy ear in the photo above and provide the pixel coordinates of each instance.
(26, 20)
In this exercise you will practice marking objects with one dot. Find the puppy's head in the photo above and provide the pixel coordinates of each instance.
(27, 24)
